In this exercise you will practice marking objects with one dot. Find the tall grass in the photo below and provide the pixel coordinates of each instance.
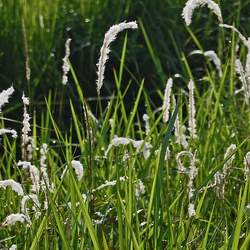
(127, 199)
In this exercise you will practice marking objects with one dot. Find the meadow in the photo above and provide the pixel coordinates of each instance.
(124, 134)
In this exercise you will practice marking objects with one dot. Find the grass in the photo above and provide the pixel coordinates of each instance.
(113, 217)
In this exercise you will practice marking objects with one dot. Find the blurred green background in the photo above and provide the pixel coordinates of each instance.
(36, 30)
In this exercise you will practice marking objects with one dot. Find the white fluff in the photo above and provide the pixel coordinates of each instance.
(192, 172)
(27, 141)
(110, 183)
(34, 175)
(166, 100)
(244, 72)
(15, 186)
(139, 189)
(43, 168)
(78, 167)
(14, 218)
(191, 5)
(191, 111)
(110, 36)
(35, 208)
(145, 118)
(230, 152)
(8, 131)
(220, 176)
(247, 165)
(13, 247)
(138, 145)
(4, 96)
(212, 56)
(66, 66)
(191, 210)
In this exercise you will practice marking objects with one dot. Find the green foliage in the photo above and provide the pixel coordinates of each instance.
(115, 216)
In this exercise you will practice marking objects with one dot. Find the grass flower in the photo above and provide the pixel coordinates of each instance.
(191, 5)
(110, 36)
(110, 183)
(166, 100)
(145, 118)
(192, 173)
(4, 96)
(8, 131)
(78, 167)
(35, 207)
(212, 56)
(247, 165)
(15, 186)
(34, 175)
(139, 189)
(12, 219)
(27, 141)
(191, 111)
(43, 168)
(66, 66)
(140, 146)
(243, 72)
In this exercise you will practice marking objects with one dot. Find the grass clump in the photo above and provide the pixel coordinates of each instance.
(149, 177)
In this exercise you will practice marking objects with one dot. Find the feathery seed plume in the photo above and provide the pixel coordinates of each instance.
(35, 207)
(65, 66)
(139, 189)
(191, 5)
(78, 167)
(43, 168)
(15, 186)
(192, 172)
(14, 218)
(27, 141)
(147, 126)
(110, 36)
(4, 96)
(191, 111)
(8, 131)
(247, 165)
(13, 247)
(34, 175)
(166, 100)
(212, 56)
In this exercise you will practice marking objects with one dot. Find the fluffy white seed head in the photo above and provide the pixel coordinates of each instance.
(212, 56)
(13, 247)
(110, 183)
(145, 118)
(247, 165)
(140, 146)
(139, 189)
(110, 36)
(166, 100)
(192, 172)
(4, 96)
(66, 66)
(242, 38)
(8, 131)
(43, 168)
(35, 208)
(191, 111)
(230, 152)
(27, 141)
(191, 210)
(78, 167)
(34, 175)
(191, 5)
(14, 218)
(15, 186)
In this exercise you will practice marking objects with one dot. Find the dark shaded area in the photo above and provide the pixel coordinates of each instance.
(86, 23)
